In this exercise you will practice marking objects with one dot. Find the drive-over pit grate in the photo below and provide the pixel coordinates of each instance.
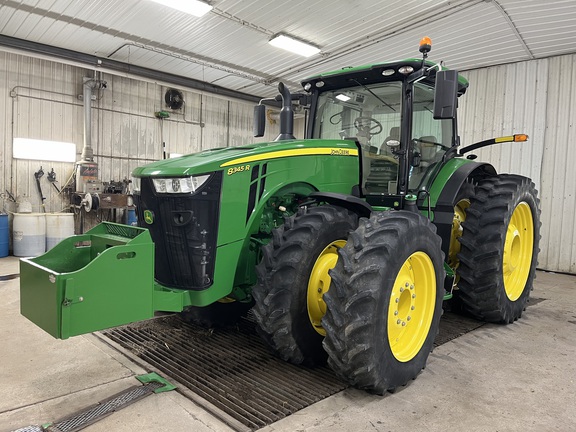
(232, 369)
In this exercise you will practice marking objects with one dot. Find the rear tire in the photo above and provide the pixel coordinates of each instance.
(499, 252)
(385, 302)
(300, 253)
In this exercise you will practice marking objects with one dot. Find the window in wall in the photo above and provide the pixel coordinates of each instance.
(55, 151)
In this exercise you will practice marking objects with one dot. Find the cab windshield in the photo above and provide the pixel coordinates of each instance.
(372, 114)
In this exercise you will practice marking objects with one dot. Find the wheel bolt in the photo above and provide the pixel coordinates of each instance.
(397, 300)
(412, 308)
(401, 289)
(403, 324)
(407, 284)
(319, 290)
(413, 295)
(409, 318)
(398, 322)
(411, 287)
(395, 312)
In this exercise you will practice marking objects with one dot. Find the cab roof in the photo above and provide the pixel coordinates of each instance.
(368, 74)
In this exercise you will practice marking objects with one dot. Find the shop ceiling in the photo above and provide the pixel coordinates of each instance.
(228, 47)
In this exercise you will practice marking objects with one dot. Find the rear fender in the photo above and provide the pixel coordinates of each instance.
(449, 186)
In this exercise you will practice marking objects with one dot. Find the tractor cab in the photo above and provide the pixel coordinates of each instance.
(402, 116)
(373, 115)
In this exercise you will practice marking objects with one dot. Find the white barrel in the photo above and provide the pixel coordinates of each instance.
(29, 234)
(58, 227)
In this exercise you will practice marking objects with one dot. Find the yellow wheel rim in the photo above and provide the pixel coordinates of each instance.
(319, 283)
(518, 249)
(459, 218)
(411, 309)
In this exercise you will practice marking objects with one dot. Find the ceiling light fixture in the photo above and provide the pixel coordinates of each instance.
(343, 97)
(192, 7)
(294, 45)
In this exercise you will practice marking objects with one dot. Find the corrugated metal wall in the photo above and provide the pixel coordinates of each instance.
(535, 97)
(558, 196)
(39, 99)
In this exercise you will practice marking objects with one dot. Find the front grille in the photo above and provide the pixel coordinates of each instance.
(184, 231)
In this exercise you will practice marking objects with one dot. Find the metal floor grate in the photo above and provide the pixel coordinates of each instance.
(104, 408)
(233, 370)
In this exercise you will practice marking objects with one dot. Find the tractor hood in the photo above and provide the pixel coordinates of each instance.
(221, 158)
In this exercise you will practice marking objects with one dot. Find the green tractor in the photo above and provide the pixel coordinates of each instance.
(344, 244)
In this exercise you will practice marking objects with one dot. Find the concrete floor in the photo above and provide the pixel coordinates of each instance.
(519, 377)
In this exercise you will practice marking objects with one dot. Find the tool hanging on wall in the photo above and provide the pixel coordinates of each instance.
(38, 175)
(10, 196)
(51, 177)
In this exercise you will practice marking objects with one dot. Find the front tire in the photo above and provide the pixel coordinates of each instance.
(499, 251)
(385, 302)
(293, 277)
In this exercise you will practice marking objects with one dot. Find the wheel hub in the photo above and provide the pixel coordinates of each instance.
(459, 218)
(411, 306)
(319, 284)
(518, 250)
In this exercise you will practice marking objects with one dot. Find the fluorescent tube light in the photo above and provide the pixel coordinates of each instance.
(192, 7)
(24, 148)
(293, 45)
(343, 97)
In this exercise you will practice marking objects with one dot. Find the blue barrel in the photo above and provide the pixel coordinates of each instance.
(131, 217)
(4, 235)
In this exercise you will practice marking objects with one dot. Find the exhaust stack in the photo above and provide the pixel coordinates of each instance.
(286, 115)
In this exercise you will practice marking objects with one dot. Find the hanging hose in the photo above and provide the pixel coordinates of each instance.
(38, 175)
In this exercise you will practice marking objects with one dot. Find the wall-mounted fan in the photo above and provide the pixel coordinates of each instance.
(174, 98)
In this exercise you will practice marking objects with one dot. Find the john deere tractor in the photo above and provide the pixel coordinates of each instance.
(345, 244)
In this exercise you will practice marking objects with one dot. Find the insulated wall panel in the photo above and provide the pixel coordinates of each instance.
(535, 97)
(506, 100)
(558, 169)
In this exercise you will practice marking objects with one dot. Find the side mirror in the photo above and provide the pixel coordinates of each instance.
(445, 94)
(259, 120)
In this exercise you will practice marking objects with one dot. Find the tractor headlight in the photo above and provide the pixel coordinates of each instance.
(179, 185)
(135, 185)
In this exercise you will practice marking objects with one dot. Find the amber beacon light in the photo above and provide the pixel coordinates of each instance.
(425, 45)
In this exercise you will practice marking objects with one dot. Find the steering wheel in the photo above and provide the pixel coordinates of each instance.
(371, 130)
(336, 118)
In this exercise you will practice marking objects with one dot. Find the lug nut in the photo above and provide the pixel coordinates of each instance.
(409, 318)
(411, 287)
(403, 324)
(398, 322)
(412, 308)
(407, 284)
(395, 312)
(397, 300)
(401, 289)
(413, 295)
